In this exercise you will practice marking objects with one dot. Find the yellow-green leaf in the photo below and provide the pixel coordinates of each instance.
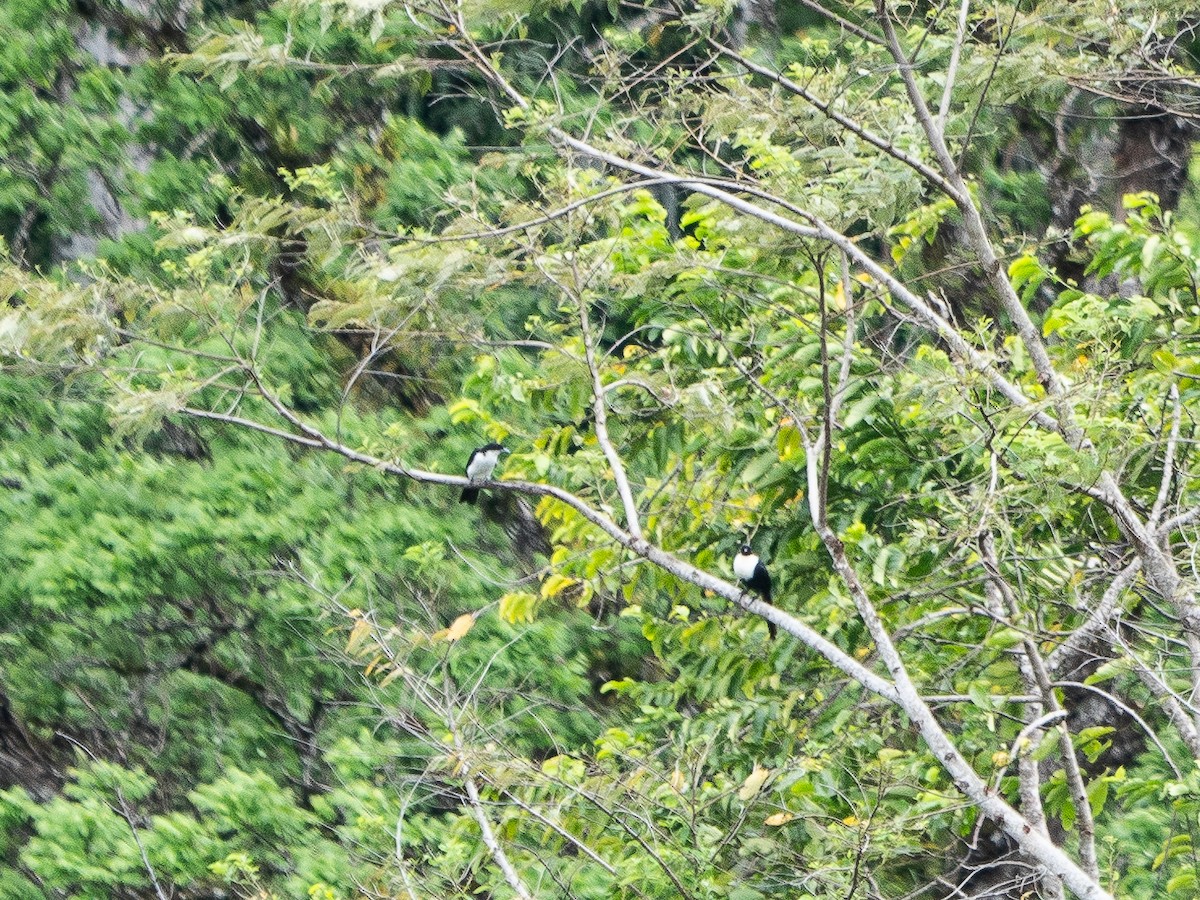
(460, 626)
(358, 634)
(555, 585)
(518, 606)
(753, 783)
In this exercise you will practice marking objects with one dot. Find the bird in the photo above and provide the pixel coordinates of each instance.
(480, 466)
(754, 575)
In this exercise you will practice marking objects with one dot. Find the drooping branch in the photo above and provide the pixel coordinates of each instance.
(1133, 714)
(1184, 724)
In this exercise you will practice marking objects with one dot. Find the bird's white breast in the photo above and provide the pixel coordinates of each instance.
(482, 464)
(743, 566)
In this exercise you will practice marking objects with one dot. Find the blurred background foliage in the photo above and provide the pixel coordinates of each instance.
(231, 664)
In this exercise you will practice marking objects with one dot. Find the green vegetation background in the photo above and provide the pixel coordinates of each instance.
(174, 599)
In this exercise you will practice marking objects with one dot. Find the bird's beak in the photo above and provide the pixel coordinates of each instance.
(505, 450)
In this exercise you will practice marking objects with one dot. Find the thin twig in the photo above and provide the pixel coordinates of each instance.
(1164, 487)
(827, 109)
(952, 69)
(127, 815)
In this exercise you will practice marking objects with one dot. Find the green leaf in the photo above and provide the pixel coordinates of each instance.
(1183, 882)
(1097, 795)
(1004, 639)
(759, 466)
(860, 409)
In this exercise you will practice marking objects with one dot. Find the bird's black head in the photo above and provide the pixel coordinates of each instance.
(493, 446)
(746, 551)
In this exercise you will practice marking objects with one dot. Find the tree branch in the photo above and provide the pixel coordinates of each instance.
(1184, 724)
(826, 109)
(600, 423)
(980, 241)
(667, 561)
(1164, 487)
(1159, 567)
(1132, 713)
(1065, 655)
(127, 814)
(1035, 673)
(1028, 770)
(952, 68)
(489, 838)
(1032, 842)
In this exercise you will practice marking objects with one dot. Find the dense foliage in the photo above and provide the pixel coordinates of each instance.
(896, 294)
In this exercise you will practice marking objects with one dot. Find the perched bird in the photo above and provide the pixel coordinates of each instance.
(754, 575)
(480, 467)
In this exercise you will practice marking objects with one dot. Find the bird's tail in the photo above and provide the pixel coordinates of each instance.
(469, 495)
(772, 628)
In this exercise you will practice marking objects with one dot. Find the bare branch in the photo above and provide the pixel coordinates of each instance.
(1065, 654)
(241, 422)
(848, 335)
(843, 23)
(1184, 724)
(1034, 670)
(952, 68)
(1159, 567)
(1164, 487)
(489, 838)
(980, 241)
(600, 423)
(1034, 843)
(1028, 771)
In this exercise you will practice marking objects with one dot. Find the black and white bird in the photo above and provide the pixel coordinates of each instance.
(480, 467)
(754, 575)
